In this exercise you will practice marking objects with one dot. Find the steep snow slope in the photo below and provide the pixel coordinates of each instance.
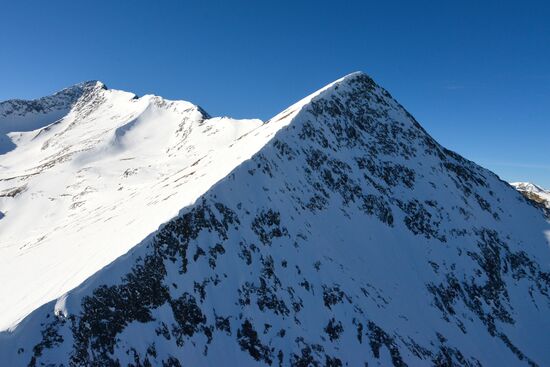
(91, 172)
(535, 193)
(350, 237)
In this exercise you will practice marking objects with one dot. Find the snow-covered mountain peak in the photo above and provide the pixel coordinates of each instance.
(528, 186)
(86, 87)
(344, 86)
(18, 117)
(336, 233)
(62, 100)
(535, 194)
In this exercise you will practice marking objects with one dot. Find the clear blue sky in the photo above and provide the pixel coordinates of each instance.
(476, 74)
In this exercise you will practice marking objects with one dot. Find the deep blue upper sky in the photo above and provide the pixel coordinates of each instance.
(475, 74)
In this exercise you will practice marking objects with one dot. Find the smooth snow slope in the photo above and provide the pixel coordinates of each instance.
(89, 172)
(350, 237)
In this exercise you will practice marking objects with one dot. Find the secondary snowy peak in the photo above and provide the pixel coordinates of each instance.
(528, 186)
(342, 235)
(27, 115)
(62, 100)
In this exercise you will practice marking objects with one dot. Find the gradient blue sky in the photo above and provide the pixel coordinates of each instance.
(475, 74)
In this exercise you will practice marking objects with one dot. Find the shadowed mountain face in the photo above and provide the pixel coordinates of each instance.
(350, 237)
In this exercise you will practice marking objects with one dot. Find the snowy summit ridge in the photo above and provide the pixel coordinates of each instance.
(337, 233)
(61, 100)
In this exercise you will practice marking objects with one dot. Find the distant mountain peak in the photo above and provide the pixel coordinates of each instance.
(535, 194)
(528, 186)
(82, 88)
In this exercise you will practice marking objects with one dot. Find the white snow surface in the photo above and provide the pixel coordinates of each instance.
(90, 178)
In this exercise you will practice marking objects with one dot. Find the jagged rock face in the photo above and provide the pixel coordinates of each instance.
(350, 238)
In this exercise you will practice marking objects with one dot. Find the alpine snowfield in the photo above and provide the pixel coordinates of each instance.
(336, 233)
